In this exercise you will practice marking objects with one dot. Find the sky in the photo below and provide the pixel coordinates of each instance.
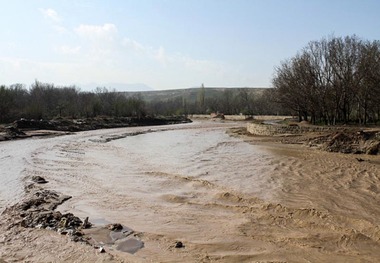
(168, 44)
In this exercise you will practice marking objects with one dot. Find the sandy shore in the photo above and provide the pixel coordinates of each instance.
(309, 206)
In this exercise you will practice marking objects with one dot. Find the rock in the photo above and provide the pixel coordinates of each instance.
(78, 233)
(62, 223)
(101, 249)
(179, 244)
(39, 180)
(373, 149)
(75, 238)
(72, 221)
(115, 226)
(86, 224)
(62, 231)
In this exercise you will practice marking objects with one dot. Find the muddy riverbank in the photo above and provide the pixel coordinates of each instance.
(342, 139)
(25, 128)
(225, 199)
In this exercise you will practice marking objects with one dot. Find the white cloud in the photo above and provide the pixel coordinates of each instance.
(94, 32)
(51, 14)
(99, 43)
(99, 53)
(171, 60)
(68, 50)
(133, 44)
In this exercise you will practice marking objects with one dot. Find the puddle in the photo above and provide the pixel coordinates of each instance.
(130, 245)
(99, 222)
(124, 240)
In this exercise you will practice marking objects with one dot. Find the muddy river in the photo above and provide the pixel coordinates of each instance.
(226, 199)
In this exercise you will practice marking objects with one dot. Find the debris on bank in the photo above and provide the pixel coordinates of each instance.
(349, 141)
(74, 125)
(37, 210)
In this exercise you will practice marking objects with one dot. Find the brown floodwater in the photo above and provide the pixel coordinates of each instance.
(224, 198)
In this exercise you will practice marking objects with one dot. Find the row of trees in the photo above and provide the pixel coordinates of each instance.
(46, 101)
(334, 80)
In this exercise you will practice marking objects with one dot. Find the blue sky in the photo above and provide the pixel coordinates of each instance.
(168, 44)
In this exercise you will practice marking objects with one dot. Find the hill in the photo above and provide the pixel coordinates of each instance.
(191, 94)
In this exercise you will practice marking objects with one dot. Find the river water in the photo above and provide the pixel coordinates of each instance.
(224, 198)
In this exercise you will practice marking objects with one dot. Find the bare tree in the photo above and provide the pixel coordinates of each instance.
(332, 80)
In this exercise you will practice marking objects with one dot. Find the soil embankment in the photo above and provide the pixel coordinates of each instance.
(356, 140)
(24, 128)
